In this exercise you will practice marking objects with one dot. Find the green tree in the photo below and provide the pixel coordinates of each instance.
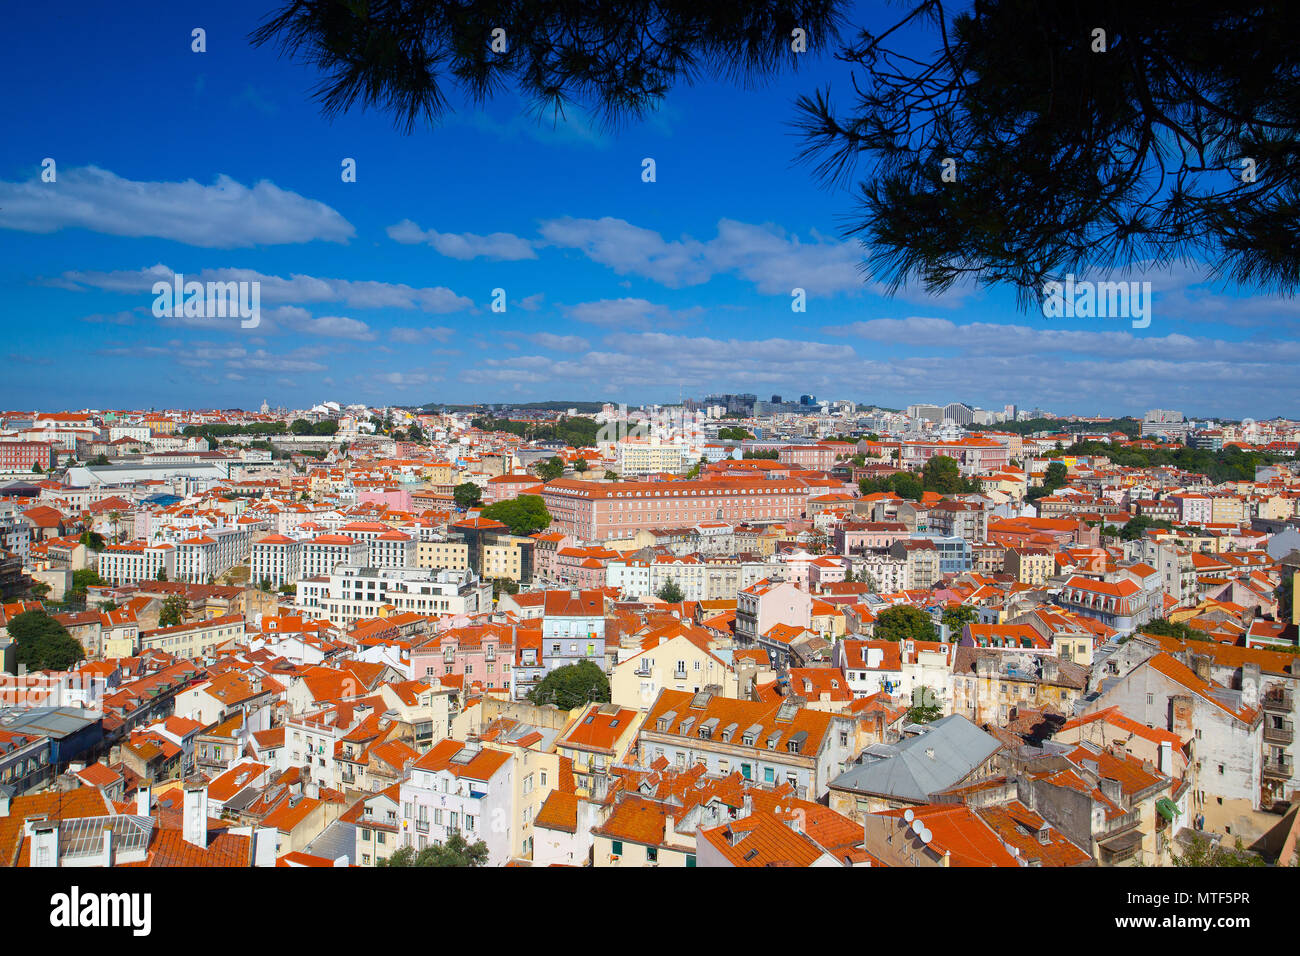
(504, 586)
(467, 495)
(925, 706)
(616, 59)
(523, 515)
(1203, 852)
(43, 644)
(941, 474)
(161, 575)
(1056, 477)
(92, 540)
(550, 469)
(579, 466)
(1285, 595)
(1099, 137)
(670, 592)
(734, 433)
(611, 475)
(956, 618)
(99, 461)
(300, 426)
(1175, 629)
(904, 623)
(173, 611)
(572, 686)
(456, 851)
(37, 469)
(83, 579)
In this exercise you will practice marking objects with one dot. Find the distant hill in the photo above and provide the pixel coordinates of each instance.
(582, 407)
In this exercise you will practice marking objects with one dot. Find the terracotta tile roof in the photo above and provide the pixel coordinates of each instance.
(559, 812)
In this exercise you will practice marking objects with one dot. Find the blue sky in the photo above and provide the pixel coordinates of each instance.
(218, 165)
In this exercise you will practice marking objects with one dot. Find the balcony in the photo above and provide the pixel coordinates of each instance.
(1283, 734)
(1278, 699)
(1279, 769)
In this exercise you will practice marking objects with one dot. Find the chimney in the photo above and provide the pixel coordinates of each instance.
(1166, 758)
(1250, 685)
(195, 828)
(1181, 722)
(670, 821)
(106, 855)
(265, 844)
(1201, 666)
(44, 835)
(143, 801)
(4, 802)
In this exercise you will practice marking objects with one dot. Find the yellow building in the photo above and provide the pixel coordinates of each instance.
(1030, 565)
(677, 659)
(451, 555)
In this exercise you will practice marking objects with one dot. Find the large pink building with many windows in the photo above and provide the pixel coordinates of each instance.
(595, 510)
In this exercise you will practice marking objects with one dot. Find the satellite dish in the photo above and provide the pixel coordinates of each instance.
(925, 835)
(917, 827)
(908, 815)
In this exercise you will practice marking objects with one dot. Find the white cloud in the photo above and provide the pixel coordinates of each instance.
(224, 215)
(296, 289)
(500, 246)
(416, 336)
(559, 343)
(627, 313)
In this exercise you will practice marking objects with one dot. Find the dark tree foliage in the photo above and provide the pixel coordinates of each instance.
(456, 851)
(904, 623)
(670, 592)
(578, 432)
(523, 515)
(467, 495)
(1070, 154)
(174, 608)
(1073, 152)
(572, 686)
(44, 643)
(1230, 464)
(550, 469)
(616, 58)
(1166, 628)
(956, 618)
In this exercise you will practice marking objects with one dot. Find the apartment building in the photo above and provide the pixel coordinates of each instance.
(460, 788)
(207, 556)
(770, 743)
(1123, 604)
(136, 561)
(193, 640)
(275, 558)
(596, 511)
(351, 593)
(325, 552)
(647, 458)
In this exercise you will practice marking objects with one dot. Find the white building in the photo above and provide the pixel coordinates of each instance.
(461, 788)
(211, 554)
(136, 561)
(353, 592)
